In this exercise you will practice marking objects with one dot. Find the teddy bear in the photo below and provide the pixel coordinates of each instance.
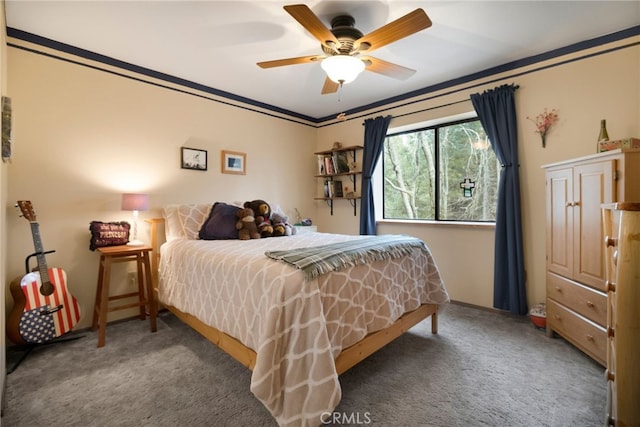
(260, 207)
(246, 225)
(262, 212)
(264, 226)
(281, 226)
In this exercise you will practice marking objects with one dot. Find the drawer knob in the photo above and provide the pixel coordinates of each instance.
(609, 286)
(557, 317)
(610, 376)
(610, 241)
(611, 332)
(558, 288)
(590, 337)
(589, 304)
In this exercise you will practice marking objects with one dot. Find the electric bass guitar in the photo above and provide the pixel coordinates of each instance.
(43, 308)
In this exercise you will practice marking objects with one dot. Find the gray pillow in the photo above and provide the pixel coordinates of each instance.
(221, 224)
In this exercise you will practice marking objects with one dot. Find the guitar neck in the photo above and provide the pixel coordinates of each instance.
(47, 288)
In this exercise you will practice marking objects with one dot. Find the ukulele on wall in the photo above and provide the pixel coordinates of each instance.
(43, 308)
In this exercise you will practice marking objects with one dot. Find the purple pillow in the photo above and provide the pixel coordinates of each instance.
(221, 224)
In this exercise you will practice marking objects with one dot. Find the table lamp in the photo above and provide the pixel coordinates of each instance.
(135, 202)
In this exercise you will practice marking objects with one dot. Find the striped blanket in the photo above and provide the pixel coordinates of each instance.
(317, 260)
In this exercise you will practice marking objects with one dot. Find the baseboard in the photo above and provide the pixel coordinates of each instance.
(480, 307)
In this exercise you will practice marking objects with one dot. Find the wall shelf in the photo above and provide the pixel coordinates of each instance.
(336, 161)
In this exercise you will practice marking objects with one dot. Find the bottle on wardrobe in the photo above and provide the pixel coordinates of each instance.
(602, 137)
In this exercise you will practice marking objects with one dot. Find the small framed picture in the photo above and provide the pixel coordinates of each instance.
(233, 162)
(195, 159)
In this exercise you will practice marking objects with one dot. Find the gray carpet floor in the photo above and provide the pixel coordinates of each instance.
(482, 369)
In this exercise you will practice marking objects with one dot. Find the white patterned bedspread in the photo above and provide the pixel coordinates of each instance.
(296, 327)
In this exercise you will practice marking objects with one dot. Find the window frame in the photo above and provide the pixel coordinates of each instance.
(379, 175)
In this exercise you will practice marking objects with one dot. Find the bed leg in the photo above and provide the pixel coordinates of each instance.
(434, 322)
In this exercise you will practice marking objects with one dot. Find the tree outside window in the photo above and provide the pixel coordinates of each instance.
(423, 171)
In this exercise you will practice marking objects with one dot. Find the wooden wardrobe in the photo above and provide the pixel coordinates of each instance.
(622, 249)
(576, 292)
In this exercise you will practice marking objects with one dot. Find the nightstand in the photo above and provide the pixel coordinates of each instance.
(301, 229)
(115, 254)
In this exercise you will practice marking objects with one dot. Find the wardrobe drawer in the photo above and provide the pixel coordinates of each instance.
(586, 301)
(580, 331)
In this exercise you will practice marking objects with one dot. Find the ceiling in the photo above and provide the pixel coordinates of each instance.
(218, 43)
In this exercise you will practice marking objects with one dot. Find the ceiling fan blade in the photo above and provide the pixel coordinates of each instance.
(402, 27)
(329, 86)
(290, 61)
(387, 68)
(309, 20)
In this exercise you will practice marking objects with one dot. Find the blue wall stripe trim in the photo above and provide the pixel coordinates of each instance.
(385, 107)
(587, 44)
(141, 80)
(576, 47)
(63, 47)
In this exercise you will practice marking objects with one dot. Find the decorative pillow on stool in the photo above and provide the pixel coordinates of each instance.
(108, 234)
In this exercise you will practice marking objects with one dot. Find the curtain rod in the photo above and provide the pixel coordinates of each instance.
(432, 108)
(425, 109)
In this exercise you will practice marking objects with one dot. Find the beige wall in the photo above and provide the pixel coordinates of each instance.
(583, 90)
(83, 136)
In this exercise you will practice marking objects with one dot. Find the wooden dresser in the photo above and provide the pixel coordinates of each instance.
(622, 249)
(576, 293)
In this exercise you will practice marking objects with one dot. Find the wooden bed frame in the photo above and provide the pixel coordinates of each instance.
(348, 358)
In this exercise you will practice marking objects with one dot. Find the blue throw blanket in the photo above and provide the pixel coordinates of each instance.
(318, 260)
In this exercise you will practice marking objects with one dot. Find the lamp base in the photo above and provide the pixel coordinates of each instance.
(135, 243)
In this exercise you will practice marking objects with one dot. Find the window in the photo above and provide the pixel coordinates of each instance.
(425, 170)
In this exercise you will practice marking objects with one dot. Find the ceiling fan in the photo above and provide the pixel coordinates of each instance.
(346, 49)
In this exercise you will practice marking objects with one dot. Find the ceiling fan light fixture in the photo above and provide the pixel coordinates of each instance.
(342, 69)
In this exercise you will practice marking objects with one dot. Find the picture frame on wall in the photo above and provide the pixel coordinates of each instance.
(193, 158)
(233, 162)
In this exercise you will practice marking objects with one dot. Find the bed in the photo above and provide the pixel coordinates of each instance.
(296, 332)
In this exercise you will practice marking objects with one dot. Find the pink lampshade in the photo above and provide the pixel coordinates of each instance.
(135, 202)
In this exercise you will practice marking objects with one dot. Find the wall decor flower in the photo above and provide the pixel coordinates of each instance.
(543, 123)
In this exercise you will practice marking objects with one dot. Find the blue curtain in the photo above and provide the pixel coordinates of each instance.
(375, 131)
(497, 112)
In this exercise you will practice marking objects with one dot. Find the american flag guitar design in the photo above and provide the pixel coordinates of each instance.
(43, 308)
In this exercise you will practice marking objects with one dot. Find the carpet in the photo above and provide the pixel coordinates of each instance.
(483, 368)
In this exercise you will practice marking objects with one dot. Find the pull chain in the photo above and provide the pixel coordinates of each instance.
(342, 116)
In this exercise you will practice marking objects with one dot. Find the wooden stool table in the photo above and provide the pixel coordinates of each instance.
(113, 254)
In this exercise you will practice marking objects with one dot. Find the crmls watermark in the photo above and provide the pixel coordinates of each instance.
(346, 418)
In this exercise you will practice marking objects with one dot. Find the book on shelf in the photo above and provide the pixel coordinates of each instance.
(337, 189)
(340, 162)
(328, 165)
(334, 163)
(332, 189)
(320, 165)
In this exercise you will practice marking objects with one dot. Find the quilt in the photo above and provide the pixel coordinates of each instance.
(296, 326)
